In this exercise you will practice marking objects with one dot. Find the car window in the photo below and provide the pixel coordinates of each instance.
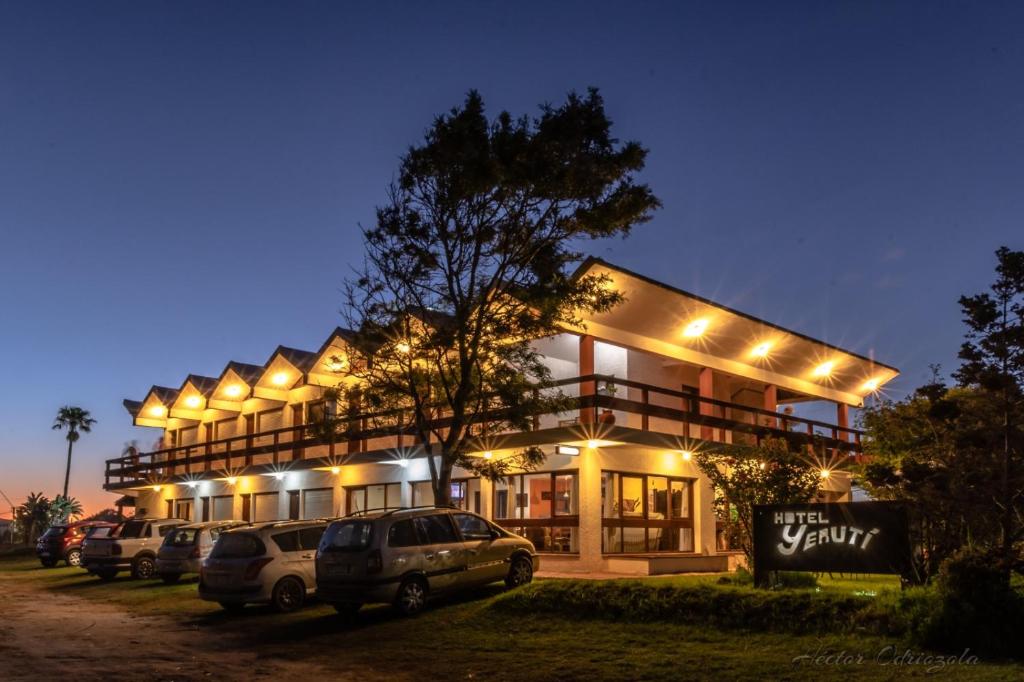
(54, 532)
(346, 536)
(181, 537)
(403, 534)
(472, 527)
(133, 529)
(164, 530)
(437, 528)
(287, 542)
(309, 538)
(237, 546)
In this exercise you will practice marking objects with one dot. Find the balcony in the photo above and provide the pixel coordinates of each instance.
(647, 415)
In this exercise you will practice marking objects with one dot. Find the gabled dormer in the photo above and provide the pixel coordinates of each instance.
(286, 369)
(235, 385)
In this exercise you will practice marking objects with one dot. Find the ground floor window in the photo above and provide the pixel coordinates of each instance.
(265, 506)
(183, 509)
(380, 496)
(643, 513)
(318, 503)
(465, 494)
(542, 507)
(223, 508)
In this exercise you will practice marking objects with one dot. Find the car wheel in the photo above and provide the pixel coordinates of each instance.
(74, 557)
(520, 573)
(144, 568)
(231, 607)
(48, 563)
(288, 595)
(412, 597)
(106, 575)
(170, 578)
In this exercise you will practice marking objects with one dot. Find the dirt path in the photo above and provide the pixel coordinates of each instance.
(48, 635)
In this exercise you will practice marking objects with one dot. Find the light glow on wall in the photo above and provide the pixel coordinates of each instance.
(335, 470)
(232, 480)
(279, 378)
(233, 391)
(824, 369)
(687, 455)
(825, 474)
(696, 328)
(157, 411)
(761, 350)
(157, 488)
(488, 455)
(193, 401)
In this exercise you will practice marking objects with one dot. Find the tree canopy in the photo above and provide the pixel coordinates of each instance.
(471, 258)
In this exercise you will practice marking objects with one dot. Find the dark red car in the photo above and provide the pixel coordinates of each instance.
(64, 542)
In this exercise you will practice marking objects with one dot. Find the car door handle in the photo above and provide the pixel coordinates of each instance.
(429, 556)
(307, 556)
(444, 552)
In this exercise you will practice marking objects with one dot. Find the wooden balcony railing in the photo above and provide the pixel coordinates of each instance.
(645, 407)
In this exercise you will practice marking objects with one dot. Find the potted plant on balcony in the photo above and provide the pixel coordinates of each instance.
(609, 389)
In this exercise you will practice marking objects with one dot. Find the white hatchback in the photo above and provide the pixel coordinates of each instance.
(269, 563)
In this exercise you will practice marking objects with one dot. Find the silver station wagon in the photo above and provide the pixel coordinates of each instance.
(185, 547)
(403, 557)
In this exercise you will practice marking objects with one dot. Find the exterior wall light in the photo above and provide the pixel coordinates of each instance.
(687, 455)
(193, 401)
(192, 484)
(696, 328)
(157, 488)
(404, 463)
(278, 475)
(592, 444)
(403, 347)
(567, 450)
(761, 350)
(871, 385)
(233, 391)
(279, 379)
(825, 474)
(488, 455)
(157, 411)
(335, 470)
(824, 369)
(232, 480)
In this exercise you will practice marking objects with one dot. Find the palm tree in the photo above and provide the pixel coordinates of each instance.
(63, 509)
(75, 420)
(33, 514)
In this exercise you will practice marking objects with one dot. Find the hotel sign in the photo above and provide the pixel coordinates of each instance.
(840, 537)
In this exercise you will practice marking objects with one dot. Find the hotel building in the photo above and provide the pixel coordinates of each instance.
(657, 380)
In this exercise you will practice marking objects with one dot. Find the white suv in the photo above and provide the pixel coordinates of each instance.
(272, 563)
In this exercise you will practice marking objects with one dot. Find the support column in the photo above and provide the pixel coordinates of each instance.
(707, 390)
(486, 498)
(705, 523)
(587, 388)
(590, 509)
(771, 403)
(842, 420)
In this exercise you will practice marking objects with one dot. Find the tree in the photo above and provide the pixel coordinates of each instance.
(33, 515)
(469, 261)
(933, 451)
(770, 473)
(76, 421)
(993, 360)
(109, 515)
(64, 509)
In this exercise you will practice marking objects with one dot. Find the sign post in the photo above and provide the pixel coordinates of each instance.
(841, 537)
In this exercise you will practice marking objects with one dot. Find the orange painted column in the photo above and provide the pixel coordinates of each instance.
(588, 415)
(771, 403)
(843, 420)
(706, 387)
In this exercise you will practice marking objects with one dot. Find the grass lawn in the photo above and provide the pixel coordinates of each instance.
(468, 638)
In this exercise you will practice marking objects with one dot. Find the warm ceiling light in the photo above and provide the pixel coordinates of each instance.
(687, 455)
(280, 379)
(157, 488)
(696, 328)
(404, 463)
(157, 411)
(824, 369)
(488, 455)
(193, 401)
(192, 484)
(279, 475)
(592, 444)
(403, 347)
(825, 474)
(761, 350)
(232, 480)
(233, 391)
(335, 470)
(570, 450)
(871, 385)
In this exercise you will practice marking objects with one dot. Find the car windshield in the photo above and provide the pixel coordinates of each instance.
(181, 537)
(237, 546)
(132, 529)
(346, 536)
(55, 532)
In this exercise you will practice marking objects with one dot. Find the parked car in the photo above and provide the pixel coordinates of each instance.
(185, 547)
(403, 557)
(270, 563)
(64, 542)
(132, 547)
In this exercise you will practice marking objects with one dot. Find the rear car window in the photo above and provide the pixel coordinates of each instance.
(164, 530)
(55, 532)
(238, 546)
(346, 536)
(437, 528)
(132, 529)
(402, 534)
(309, 538)
(181, 537)
(100, 532)
(287, 542)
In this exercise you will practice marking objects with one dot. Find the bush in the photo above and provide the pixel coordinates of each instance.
(976, 607)
(779, 579)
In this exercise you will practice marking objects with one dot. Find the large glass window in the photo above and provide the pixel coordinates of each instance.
(542, 507)
(379, 496)
(465, 494)
(646, 513)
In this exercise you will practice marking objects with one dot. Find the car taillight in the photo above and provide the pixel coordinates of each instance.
(115, 548)
(374, 562)
(255, 566)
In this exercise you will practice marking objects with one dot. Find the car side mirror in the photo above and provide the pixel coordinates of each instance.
(495, 535)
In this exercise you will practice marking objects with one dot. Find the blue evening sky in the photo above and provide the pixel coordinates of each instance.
(182, 183)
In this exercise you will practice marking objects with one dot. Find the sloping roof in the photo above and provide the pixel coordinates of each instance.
(340, 332)
(304, 360)
(205, 385)
(164, 394)
(133, 407)
(250, 374)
